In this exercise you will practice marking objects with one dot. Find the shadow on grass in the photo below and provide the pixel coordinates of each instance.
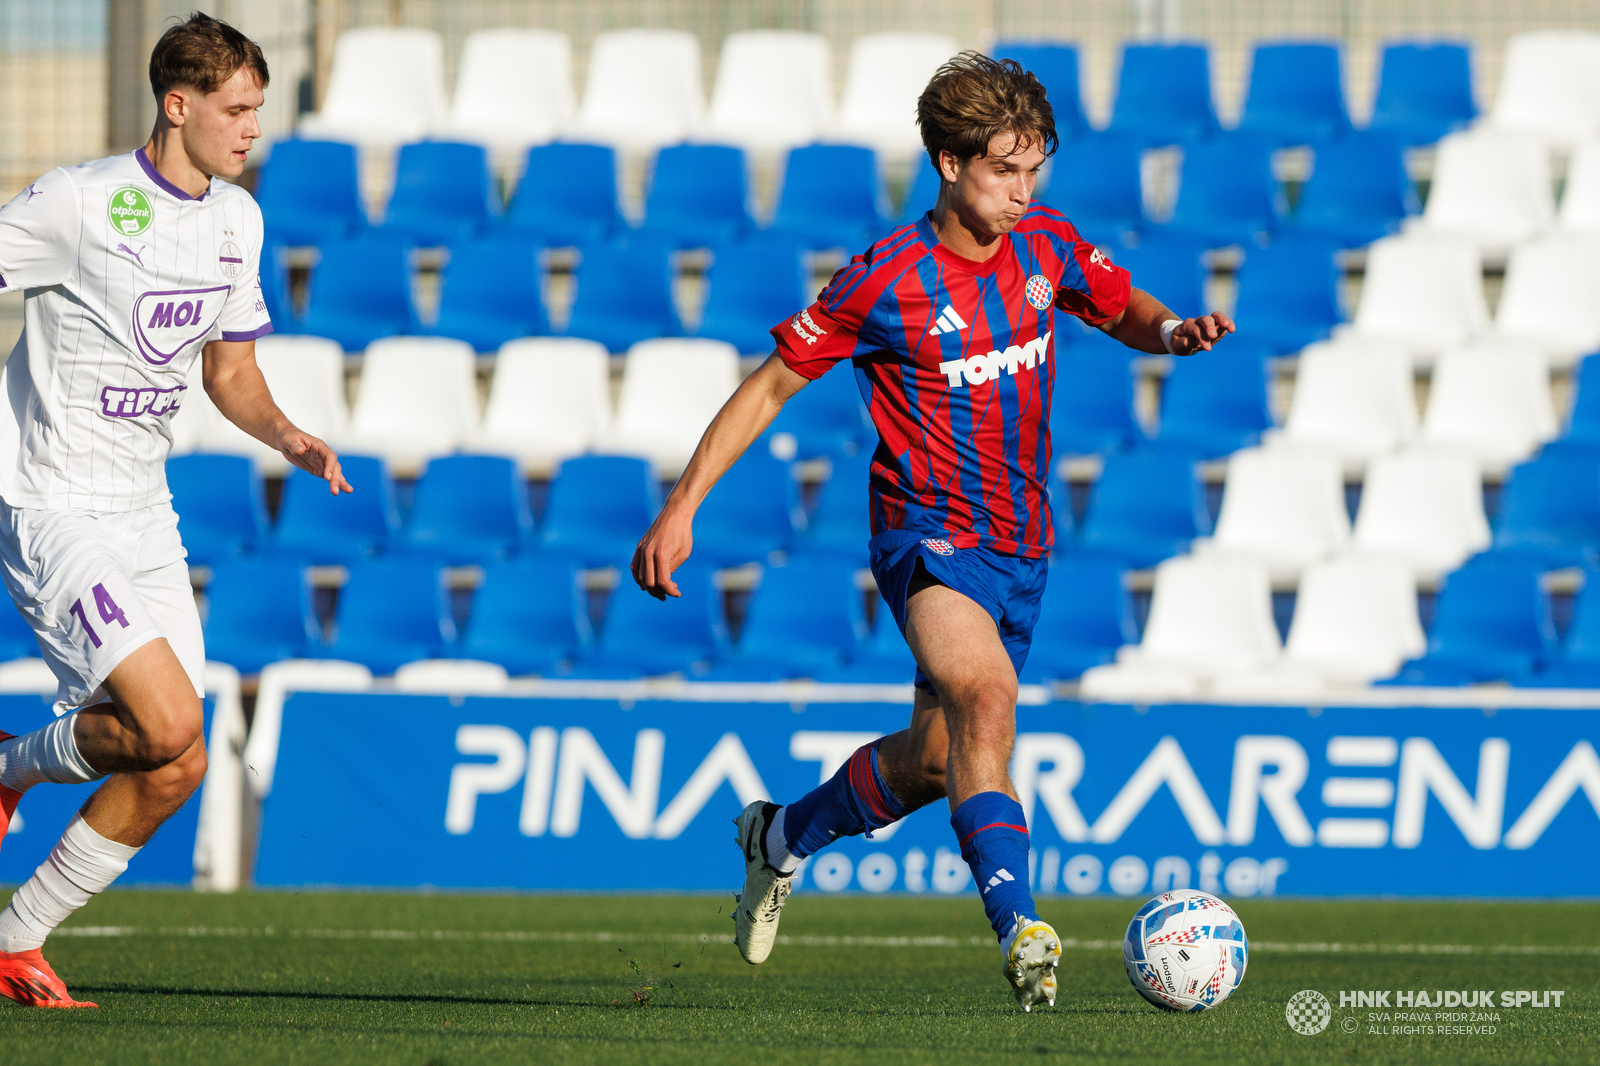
(372, 997)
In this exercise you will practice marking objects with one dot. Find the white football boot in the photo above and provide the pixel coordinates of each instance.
(756, 909)
(1032, 952)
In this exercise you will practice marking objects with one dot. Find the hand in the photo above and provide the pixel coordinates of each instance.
(665, 546)
(313, 455)
(1199, 334)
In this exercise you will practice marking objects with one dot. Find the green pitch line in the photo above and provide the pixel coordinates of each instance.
(367, 978)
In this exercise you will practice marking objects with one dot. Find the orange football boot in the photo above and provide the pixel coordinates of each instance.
(28, 979)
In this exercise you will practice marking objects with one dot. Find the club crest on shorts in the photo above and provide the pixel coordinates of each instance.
(1040, 292)
(939, 547)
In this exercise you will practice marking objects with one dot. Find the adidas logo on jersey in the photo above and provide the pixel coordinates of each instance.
(976, 369)
(947, 322)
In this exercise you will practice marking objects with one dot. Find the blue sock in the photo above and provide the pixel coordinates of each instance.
(853, 801)
(994, 841)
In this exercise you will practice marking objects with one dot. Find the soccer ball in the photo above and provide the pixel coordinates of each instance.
(1185, 950)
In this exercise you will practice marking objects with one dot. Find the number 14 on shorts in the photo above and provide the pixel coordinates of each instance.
(109, 612)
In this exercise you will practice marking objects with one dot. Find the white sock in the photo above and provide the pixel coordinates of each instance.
(81, 865)
(779, 857)
(48, 754)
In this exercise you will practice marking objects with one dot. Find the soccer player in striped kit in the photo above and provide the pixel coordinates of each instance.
(950, 324)
(132, 268)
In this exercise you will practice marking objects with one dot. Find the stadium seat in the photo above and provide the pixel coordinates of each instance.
(1547, 86)
(643, 89)
(598, 508)
(568, 194)
(550, 399)
(1492, 401)
(452, 677)
(753, 285)
(1549, 296)
(883, 658)
(274, 278)
(1091, 403)
(624, 292)
(1424, 292)
(361, 291)
(923, 192)
(645, 637)
(220, 505)
(418, 399)
(1355, 620)
(1056, 66)
(1146, 506)
(840, 524)
(391, 612)
(1216, 402)
(1550, 507)
(1296, 94)
(530, 615)
(442, 193)
(306, 378)
(671, 390)
(1227, 194)
(1085, 615)
(1358, 191)
(1095, 181)
(832, 197)
(18, 642)
(1576, 664)
(1356, 401)
(1164, 93)
(1283, 507)
(1492, 623)
(315, 525)
(1288, 294)
(492, 292)
(1424, 91)
(752, 511)
(698, 196)
(386, 88)
(258, 611)
(1423, 506)
(1168, 265)
(826, 417)
(469, 510)
(514, 89)
(886, 74)
(804, 620)
(309, 192)
(1580, 200)
(774, 90)
(1583, 425)
(1491, 188)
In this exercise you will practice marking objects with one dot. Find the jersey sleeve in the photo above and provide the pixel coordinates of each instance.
(1091, 286)
(813, 340)
(244, 315)
(39, 232)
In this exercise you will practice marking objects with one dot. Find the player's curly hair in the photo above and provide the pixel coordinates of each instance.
(202, 53)
(973, 97)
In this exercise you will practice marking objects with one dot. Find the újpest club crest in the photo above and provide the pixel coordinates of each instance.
(1040, 292)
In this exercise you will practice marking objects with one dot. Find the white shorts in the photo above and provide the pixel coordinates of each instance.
(96, 585)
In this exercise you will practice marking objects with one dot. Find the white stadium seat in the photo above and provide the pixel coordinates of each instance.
(386, 88)
(1282, 507)
(643, 89)
(1422, 290)
(195, 418)
(888, 71)
(1490, 187)
(1550, 86)
(1491, 400)
(306, 377)
(671, 389)
(1580, 200)
(514, 89)
(1424, 507)
(1355, 400)
(550, 399)
(418, 399)
(774, 90)
(1551, 296)
(451, 677)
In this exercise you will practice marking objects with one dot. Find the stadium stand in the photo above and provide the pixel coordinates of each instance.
(306, 378)
(774, 90)
(530, 615)
(839, 524)
(469, 509)
(1491, 188)
(886, 74)
(220, 504)
(1146, 506)
(826, 417)
(1084, 617)
(568, 194)
(1226, 193)
(1056, 66)
(881, 659)
(671, 389)
(442, 193)
(1423, 506)
(360, 290)
(698, 195)
(1091, 403)
(1168, 262)
(310, 192)
(18, 642)
(1576, 663)
(1550, 507)
(832, 197)
(643, 637)
(803, 621)
(1296, 94)
(924, 191)
(1164, 93)
(1358, 191)
(1580, 200)
(491, 292)
(753, 511)
(1423, 291)
(391, 612)
(321, 528)
(452, 677)
(1288, 295)
(753, 285)
(1491, 401)
(386, 88)
(1218, 403)
(1583, 422)
(1549, 296)
(513, 90)
(1424, 91)
(274, 278)
(624, 292)
(1358, 402)
(598, 508)
(1283, 507)
(1096, 181)
(1547, 86)
(258, 611)
(549, 400)
(1492, 623)
(643, 89)
(418, 399)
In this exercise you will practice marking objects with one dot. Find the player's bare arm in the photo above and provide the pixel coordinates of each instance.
(233, 381)
(746, 415)
(1139, 326)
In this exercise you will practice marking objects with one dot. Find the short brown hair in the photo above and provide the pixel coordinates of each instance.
(202, 54)
(973, 97)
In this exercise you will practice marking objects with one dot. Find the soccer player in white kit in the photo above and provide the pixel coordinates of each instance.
(132, 268)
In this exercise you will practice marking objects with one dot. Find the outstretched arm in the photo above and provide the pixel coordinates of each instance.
(1139, 326)
(235, 385)
(746, 415)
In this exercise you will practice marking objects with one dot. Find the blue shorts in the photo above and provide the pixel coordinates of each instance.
(1007, 586)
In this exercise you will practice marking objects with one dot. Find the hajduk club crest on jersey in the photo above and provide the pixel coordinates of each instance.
(1039, 292)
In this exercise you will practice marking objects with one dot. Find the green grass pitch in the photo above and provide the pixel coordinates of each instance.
(365, 978)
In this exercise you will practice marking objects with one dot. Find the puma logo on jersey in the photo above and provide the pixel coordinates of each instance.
(976, 369)
(131, 403)
(131, 254)
(948, 322)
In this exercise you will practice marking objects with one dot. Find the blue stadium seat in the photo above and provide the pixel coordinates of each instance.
(1288, 293)
(624, 293)
(1584, 425)
(16, 636)
(1084, 617)
(469, 509)
(883, 658)
(1056, 67)
(826, 417)
(1424, 91)
(258, 611)
(530, 615)
(361, 291)
(1228, 194)
(644, 637)
(310, 192)
(275, 289)
(1358, 191)
(1146, 506)
(1551, 506)
(492, 292)
(698, 195)
(1095, 181)
(752, 511)
(391, 612)
(1164, 93)
(753, 285)
(568, 194)
(1296, 94)
(443, 192)
(598, 508)
(1062, 520)
(1091, 403)
(803, 621)
(1169, 266)
(220, 503)
(1493, 623)
(326, 529)
(840, 524)
(1577, 663)
(924, 191)
(1216, 402)
(832, 197)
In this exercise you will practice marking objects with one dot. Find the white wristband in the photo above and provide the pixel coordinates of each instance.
(1166, 333)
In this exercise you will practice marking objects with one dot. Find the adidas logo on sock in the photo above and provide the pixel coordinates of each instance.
(999, 876)
(948, 322)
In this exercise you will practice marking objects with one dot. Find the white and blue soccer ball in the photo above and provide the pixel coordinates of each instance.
(1185, 950)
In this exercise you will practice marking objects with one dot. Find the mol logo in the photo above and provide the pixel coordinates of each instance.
(976, 369)
(167, 322)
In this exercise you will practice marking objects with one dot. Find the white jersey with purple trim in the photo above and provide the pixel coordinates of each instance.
(126, 278)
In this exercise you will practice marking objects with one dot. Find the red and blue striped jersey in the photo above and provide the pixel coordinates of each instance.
(956, 360)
